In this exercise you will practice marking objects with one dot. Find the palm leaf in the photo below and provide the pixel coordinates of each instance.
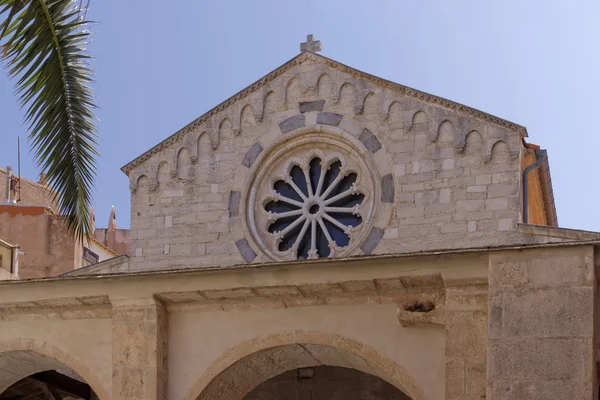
(43, 43)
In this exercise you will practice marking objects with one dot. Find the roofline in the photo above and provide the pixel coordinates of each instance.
(548, 193)
(405, 90)
(322, 261)
(104, 247)
(92, 266)
(7, 244)
(40, 185)
(546, 186)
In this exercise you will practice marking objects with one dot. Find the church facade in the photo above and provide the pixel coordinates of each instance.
(326, 233)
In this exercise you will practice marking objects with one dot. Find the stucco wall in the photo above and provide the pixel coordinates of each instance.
(49, 248)
(454, 179)
(117, 240)
(415, 349)
(86, 342)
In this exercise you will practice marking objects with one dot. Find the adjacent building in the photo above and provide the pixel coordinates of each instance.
(30, 220)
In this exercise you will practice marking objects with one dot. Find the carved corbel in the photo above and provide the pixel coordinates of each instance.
(421, 309)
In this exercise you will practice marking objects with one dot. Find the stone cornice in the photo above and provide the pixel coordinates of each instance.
(318, 59)
(59, 308)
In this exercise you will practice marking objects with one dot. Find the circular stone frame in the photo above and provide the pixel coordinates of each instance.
(332, 140)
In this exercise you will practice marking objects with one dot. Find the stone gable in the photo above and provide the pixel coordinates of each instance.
(437, 175)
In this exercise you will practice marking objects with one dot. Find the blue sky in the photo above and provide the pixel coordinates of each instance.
(536, 63)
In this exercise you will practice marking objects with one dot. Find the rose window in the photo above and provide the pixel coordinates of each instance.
(311, 195)
(315, 208)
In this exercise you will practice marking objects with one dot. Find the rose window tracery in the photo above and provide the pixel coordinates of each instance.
(312, 196)
(315, 207)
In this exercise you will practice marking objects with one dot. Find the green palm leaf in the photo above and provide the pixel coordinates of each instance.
(43, 44)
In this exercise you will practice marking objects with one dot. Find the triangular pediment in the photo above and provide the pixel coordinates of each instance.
(309, 58)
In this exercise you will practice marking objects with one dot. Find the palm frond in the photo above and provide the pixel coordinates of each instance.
(43, 43)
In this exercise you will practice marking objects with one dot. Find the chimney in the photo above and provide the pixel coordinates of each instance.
(11, 194)
(8, 175)
(92, 222)
(42, 179)
(111, 232)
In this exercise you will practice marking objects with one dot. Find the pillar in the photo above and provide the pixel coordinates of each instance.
(541, 324)
(140, 340)
(466, 339)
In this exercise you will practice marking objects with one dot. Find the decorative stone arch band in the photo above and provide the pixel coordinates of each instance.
(350, 354)
(318, 181)
(40, 356)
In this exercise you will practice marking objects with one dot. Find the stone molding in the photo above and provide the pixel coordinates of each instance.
(366, 356)
(402, 290)
(373, 169)
(312, 58)
(56, 309)
(556, 232)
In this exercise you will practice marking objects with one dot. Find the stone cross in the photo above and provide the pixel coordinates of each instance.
(310, 44)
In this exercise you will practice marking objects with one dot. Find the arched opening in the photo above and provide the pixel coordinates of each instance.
(325, 383)
(59, 384)
(278, 366)
(37, 371)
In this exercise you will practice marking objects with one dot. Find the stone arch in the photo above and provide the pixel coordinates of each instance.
(142, 182)
(29, 356)
(500, 153)
(205, 150)
(225, 128)
(163, 174)
(420, 122)
(316, 348)
(473, 142)
(184, 164)
(395, 113)
(292, 93)
(269, 105)
(347, 95)
(324, 85)
(247, 119)
(370, 104)
(445, 135)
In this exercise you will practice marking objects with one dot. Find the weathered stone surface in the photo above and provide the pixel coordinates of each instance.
(140, 343)
(245, 250)
(295, 122)
(387, 188)
(434, 280)
(252, 155)
(370, 141)
(234, 202)
(541, 325)
(559, 312)
(236, 293)
(372, 240)
(307, 106)
(327, 118)
(537, 358)
(532, 389)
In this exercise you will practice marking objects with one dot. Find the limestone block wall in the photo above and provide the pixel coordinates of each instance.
(449, 175)
(541, 325)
